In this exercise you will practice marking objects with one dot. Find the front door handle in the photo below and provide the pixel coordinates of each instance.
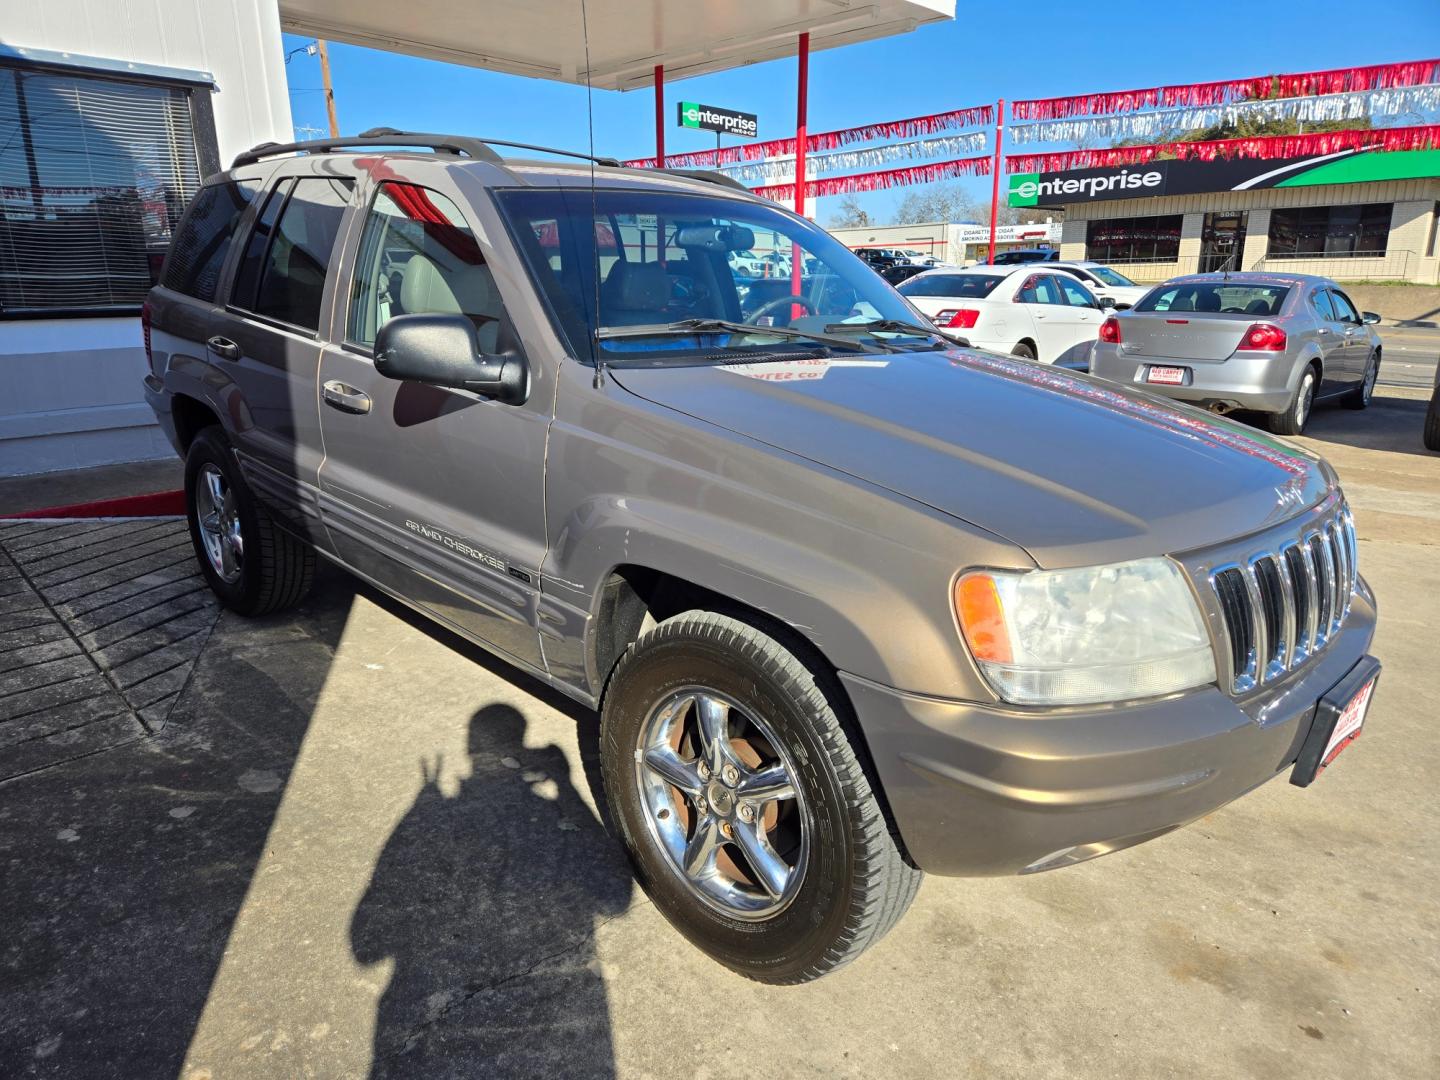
(345, 398)
(224, 348)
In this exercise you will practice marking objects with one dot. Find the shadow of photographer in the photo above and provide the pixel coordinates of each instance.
(487, 902)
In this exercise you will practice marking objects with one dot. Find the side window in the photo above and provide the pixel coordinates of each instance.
(1076, 295)
(1320, 300)
(1344, 310)
(1040, 289)
(417, 256)
(198, 252)
(247, 277)
(292, 270)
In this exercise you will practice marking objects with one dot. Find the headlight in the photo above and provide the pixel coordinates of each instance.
(1101, 633)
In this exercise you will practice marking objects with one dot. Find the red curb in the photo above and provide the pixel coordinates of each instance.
(159, 504)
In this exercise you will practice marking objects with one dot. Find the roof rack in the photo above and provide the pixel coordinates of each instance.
(448, 144)
(710, 176)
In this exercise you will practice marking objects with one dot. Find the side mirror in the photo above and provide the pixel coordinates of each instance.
(1107, 301)
(442, 350)
(1369, 318)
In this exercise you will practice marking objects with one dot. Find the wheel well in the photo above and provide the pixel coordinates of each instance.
(1034, 349)
(634, 598)
(190, 417)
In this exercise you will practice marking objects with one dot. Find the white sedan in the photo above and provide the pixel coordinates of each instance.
(1025, 310)
(1104, 281)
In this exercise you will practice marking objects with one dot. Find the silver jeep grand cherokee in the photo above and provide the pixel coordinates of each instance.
(854, 601)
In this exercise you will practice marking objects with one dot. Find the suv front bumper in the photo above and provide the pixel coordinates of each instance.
(1263, 382)
(985, 790)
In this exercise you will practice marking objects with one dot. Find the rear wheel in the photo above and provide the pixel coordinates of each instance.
(249, 563)
(1359, 398)
(1024, 350)
(1292, 421)
(1432, 422)
(741, 801)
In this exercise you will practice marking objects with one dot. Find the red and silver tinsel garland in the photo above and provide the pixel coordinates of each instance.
(1336, 81)
(972, 116)
(783, 168)
(1328, 107)
(1266, 147)
(880, 181)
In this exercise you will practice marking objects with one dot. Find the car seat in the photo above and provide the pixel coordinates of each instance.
(1207, 301)
(467, 289)
(635, 293)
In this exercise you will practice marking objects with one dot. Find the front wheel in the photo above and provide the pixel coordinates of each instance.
(1359, 398)
(1024, 350)
(742, 803)
(1292, 421)
(1432, 422)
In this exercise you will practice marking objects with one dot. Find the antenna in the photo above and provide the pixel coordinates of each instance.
(594, 208)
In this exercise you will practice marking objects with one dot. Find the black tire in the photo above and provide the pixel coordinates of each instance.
(1024, 350)
(1293, 420)
(277, 568)
(1359, 398)
(855, 885)
(1432, 422)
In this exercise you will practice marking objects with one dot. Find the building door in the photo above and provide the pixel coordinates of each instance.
(1222, 239)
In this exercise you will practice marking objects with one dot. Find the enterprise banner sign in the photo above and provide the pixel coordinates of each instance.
(714, 118)
(1196, 177)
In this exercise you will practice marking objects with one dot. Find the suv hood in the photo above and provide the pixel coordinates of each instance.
(1074, 469)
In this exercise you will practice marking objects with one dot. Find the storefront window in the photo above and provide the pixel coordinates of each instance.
(94, 172)
(1134, 240)
(1354, 232)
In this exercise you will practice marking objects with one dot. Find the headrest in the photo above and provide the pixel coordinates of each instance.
(634, 286)
(1207, 301)
(468, 289)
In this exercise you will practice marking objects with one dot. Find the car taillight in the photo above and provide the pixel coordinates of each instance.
(145, 329)
(1262, 337)
(964, 318)
(1110, 331)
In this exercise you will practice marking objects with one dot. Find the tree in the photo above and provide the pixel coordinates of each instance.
(850, 214)
(945, 201)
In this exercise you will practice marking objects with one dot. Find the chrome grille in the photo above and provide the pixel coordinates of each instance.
(1279, 608)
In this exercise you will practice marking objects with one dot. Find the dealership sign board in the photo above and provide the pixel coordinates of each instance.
(713, 118)
(1222, 174)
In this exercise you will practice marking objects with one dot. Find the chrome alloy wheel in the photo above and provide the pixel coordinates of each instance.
(1372, 372)
(1307, 398)
(219, 520)
(720, 797)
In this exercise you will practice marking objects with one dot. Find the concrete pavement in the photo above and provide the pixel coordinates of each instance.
(358, 846)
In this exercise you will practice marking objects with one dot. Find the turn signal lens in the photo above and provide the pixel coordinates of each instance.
(1110, 331)
(1262, 337)
(982, 618)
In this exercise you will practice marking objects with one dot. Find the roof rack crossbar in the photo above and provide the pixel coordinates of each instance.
(710, 176)
(449, 144)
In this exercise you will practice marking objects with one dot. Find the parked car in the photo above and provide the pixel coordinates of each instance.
(901, 272)
(1432, 416)
(1026, 255)
(916, 258)
(1012, 309)
(1271, 343)
(1104, 281)
(746, 263)
(853, 602)
(878, 258)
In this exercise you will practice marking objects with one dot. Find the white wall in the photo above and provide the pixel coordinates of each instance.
(72, 386)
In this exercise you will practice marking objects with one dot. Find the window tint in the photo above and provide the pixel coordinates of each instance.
(1075, 293)
(1330, 231)
(1040, 289)
(1344, 310)
(1137, 239)
(972, 286)
(204, 238)
(1221, 298)
(247, 277)
(1110, 277)
(292, 276)
(417, 256)
(1320, 299)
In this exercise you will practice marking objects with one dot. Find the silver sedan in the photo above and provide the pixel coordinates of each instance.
(1270, 343)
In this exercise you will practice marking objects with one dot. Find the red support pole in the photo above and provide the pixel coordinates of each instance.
(802, 96)
(659, 116)
(995, 173)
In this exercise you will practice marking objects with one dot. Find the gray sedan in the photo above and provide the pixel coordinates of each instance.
(1271, 343)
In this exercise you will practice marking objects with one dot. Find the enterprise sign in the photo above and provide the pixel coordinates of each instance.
(714, 118)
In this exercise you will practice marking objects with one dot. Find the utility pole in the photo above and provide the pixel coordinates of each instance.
(324, 51)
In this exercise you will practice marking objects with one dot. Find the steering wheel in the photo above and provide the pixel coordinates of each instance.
(772, 306)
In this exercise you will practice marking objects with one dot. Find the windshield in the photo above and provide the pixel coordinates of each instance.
(1010, 258)
(1219, 297)
(611, 262)
(1108, 276)
(973, 286)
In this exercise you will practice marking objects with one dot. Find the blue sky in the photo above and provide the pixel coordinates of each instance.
(989, 51)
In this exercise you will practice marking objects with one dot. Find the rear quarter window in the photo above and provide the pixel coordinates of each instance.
(197, 254)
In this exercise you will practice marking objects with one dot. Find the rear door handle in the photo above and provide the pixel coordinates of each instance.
(345, 398)
(224, 348)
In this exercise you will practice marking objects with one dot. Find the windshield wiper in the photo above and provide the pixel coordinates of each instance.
(686, 327)
(894, 326)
